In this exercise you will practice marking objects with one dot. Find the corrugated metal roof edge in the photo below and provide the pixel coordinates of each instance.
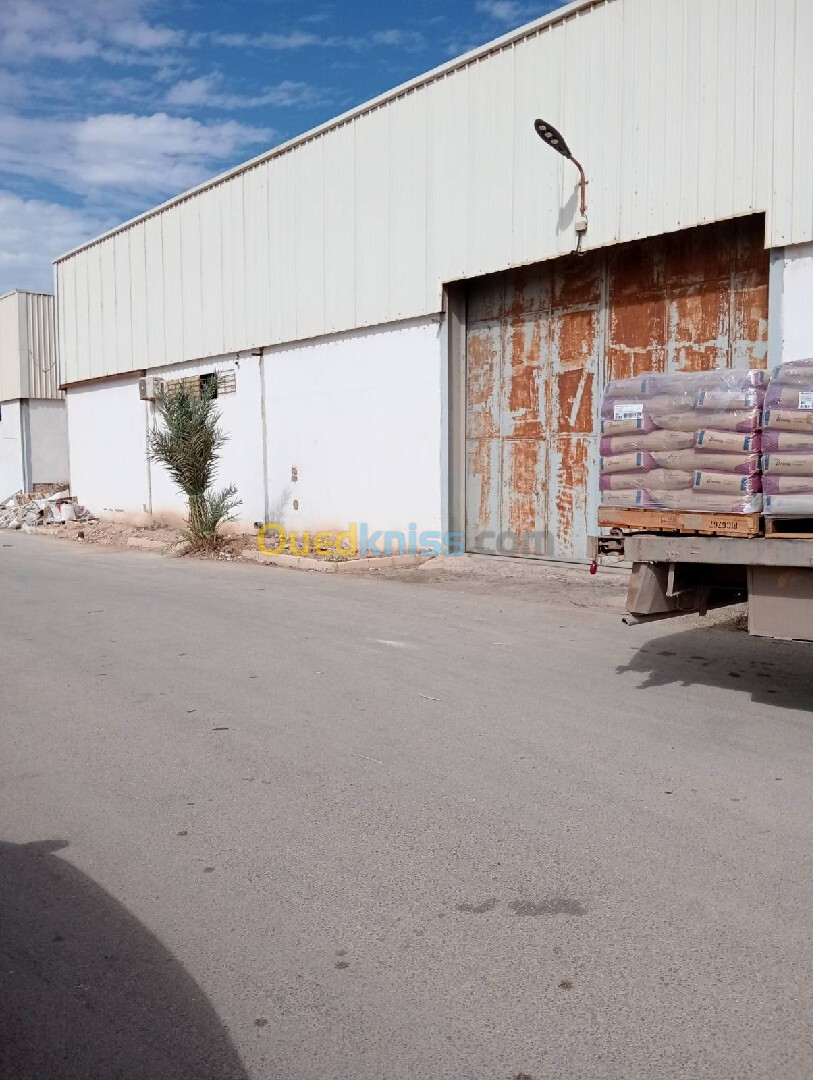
(30, 292)
(529, 30)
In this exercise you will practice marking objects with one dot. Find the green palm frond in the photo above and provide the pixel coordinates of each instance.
(187, 443)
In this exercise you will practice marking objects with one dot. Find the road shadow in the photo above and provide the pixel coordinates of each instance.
(778, 673)
(88, 993)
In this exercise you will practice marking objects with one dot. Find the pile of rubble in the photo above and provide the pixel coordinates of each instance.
(30, 510)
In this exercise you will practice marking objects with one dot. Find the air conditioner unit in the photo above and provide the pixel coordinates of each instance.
(150, 387)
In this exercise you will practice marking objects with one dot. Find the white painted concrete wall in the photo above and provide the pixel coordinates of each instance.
(48, 426)
(241, 460)
(11, 449)
(359, 418)
(796, 302)
(107, 440)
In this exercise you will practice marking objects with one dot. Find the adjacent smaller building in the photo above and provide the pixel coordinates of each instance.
(33, 420)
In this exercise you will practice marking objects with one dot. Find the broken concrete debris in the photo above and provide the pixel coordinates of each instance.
(27, 510)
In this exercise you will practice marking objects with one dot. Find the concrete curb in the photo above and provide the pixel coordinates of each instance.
(351, 566)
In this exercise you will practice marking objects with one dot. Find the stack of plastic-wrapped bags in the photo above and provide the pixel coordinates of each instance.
(787, 441)
(686, 441)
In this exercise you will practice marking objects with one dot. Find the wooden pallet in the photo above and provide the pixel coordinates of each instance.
(691, 522)
(791, 528)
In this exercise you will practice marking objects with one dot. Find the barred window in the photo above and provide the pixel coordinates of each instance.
(224, 382)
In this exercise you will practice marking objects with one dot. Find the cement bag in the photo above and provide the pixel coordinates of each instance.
(800, 420)
(788, 464)
(668, 404)
(708, 501)
(727, 442)
(727, 483)
(620, 463)
(629, 499)
(787, 485)
(746, 464)
(691, 383)
(653, 440)
(773, 441)
(669, 479)
(793, 373)
(751, 398)
(744, 420)
(794, 505)
(631, 388)
(627, 425)
(798, 396)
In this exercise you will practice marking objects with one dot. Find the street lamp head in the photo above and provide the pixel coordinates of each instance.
(548, 133)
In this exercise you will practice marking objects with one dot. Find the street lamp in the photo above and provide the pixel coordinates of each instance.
(548, 134)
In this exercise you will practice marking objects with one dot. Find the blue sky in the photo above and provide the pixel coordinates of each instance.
(108, 107)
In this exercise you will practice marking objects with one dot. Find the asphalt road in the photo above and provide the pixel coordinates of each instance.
(256, 823)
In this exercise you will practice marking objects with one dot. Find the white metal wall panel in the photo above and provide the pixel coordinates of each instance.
(682, 112)
(83, 368)
(211, 268)
(124, 360)
(255, 248)
(339, 236)
(173, 301)
(106, 311)
(745, 102)
(28, 367)
(191, 282)
(138, 299)
(802, 200)
(783, 121)
(407, 205)
(372, 248)
(533, 82)
(309, 252)
(282, 292)
(95, 287)
(66, 330)
(11, 351)
(234, 264)
(40, 345)
(153, 250)
(490, 163)
(447, 143)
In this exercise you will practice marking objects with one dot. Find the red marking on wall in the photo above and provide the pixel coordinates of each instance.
(575, 397)
(523, 372)
(523, 500)
(571, 485)
(483, 373)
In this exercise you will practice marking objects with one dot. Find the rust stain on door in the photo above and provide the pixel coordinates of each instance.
(522, 373)
(571, 485)
(525, 515)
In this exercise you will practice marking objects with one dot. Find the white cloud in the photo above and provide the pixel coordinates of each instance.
(141, 35)
(296, 39)
(32, 233)
(207, 90)
(512, 12)
(79, 30)
(137, 157)
(405, 39)
(300, 39)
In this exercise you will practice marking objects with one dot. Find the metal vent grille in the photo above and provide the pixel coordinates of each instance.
(226, 383)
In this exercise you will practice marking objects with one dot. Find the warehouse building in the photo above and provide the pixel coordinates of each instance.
(400, 330)
(33, 421)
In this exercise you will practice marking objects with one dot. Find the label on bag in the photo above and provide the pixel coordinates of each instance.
(624, 411)
(805, 399)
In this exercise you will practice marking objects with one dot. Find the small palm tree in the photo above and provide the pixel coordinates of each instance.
(188, 444)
